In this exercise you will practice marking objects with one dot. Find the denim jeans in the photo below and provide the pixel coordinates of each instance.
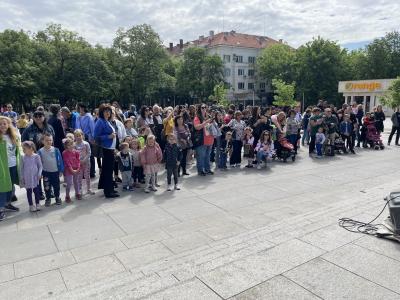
(4, 199)
(261, 156)
(319, 149)
(306, 137)
(51, 180)
(222, 160)
(203, 158)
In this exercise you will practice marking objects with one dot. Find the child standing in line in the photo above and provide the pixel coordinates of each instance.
(125, 164)
(71, 170)
(225, 150)
(172, 157)
(319, 141)
(265, 149)
(53, 165)
(83, 148)
(31, 174)
(151, 157)
(248, 141)
(346, 131)
(137, 174)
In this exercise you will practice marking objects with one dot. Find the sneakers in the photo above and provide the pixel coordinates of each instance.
(210, 172)
(125, 188)
(32, 208)
(68, 199)
(169, 189)
(153, 188)
(11, 207)
(258, 166)
(131, 188)
(2, 215)
(147, 190)
(38, 207)
(47, 203)
(78, 197)
(157, 185)
(177, 187)
(58, 201)
(90, 192)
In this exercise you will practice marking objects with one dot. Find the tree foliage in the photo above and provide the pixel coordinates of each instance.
(277, 62)
(392, 96)
(284, 93)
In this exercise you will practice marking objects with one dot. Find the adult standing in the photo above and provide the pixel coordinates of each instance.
(331, 123)
(69, 119)
(37, 129)
(395, 127)
(131, 113)
(305, 127)
(237, 126)
(379, 116)
(158, 126)
(106, 138)
(184, 141)
(9, 113)
(85, 122)
(359, 117)
(35, 133)
(145, 119)
(203, 140)
(56, 123)
(9, 164)
(315, 124)
(120, 131)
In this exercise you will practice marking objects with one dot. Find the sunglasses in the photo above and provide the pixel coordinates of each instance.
(203, 107)
(38, 117)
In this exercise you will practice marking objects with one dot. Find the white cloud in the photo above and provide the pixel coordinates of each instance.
(295, 21)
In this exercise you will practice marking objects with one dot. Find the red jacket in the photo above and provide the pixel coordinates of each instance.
(71, 161)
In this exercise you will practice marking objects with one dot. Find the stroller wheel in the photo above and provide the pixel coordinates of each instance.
(382, 147)
(294, 158)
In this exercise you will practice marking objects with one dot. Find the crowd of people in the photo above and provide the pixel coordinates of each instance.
(131, 147)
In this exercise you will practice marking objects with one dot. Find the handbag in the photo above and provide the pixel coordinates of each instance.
(198, 137)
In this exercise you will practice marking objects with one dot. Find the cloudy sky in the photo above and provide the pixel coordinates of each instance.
(350, 22)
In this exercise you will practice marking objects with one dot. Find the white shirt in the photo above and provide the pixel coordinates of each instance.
(114, 143)
(12, 158)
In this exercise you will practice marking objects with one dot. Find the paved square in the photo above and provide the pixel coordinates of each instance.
(242, 234)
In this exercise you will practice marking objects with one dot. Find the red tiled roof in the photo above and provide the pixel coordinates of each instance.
(232, 38)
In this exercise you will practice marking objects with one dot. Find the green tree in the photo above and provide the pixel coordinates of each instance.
(284, 93)
(392, 96)
(141, 63)
(219, 95)
(277, 61)
(198, 73)
(320, 65)
(18, 71)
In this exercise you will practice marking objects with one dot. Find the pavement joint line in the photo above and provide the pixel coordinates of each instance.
(215, 292)
(298, 284)
(358, 275)
(116, 257)
(382, 254)
(63, 279)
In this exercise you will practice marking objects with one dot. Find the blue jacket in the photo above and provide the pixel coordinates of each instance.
(60, 162)
(86, 124)
(346, 126)
(102, 130)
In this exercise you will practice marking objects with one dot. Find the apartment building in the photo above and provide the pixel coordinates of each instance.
(239, 53)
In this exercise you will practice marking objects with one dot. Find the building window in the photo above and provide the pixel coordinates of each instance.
(252, 60)
(251, 72)
(227, 58)
(227, 72)
(240, 72)
(262, 86)
(250, 86)
(227, 85)
(238, 58)
(240, 85)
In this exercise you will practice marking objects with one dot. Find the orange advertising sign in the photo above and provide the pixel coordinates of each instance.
(370, 86)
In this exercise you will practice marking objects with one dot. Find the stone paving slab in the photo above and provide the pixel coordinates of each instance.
(93, 271)
(33, 287)
(329, 281)
(368, 264)
(98, 249)
(277, 288)
(6, 273)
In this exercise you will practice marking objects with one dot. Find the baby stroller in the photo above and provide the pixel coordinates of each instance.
(329, 148)
(339, 145)
(284, 149)
(373, 138)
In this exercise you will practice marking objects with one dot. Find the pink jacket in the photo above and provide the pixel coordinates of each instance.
(151, 155)
(71, 161)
